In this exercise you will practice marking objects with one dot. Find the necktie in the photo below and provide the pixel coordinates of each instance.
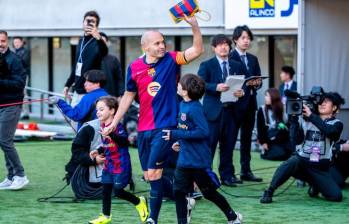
(286, 86)
(225, 71)
(243, 59)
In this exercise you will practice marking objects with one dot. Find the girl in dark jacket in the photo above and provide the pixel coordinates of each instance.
(273, 134)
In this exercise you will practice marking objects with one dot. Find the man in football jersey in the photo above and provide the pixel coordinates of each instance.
(154, 78)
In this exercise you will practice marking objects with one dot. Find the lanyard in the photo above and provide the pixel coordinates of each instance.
(82, 48)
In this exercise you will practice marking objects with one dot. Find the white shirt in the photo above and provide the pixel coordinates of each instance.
(288, 84)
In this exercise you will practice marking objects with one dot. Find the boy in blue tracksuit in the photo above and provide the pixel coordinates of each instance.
(194, 161)
(85, 110)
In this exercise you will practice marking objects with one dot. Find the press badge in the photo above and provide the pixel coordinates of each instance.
(315, 154)
(78, 69)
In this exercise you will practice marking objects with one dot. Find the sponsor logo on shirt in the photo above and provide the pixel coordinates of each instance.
(182, 126)
(109, 145)
(153, 88)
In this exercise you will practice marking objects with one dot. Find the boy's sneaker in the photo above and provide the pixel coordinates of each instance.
(196, 195)
(18, 183)
(267, 197)
(150, 221)
(102, 219)
(238, 219)
(300, 183)
(142, 209)
(190, 207)
(5, 184)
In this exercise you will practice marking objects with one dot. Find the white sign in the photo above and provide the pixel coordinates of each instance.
(261, 14)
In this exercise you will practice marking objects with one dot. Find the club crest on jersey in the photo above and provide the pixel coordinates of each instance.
(153, 88)
(183, 117)
(151, 72)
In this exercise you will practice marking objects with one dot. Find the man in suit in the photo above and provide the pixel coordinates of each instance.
(246, 107)
(286, 76)
(220, 116)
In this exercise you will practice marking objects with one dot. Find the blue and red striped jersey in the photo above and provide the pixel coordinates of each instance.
(115, 146)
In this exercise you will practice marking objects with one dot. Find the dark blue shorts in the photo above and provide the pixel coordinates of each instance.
(205, 178)
(120, 181)
(153, 151)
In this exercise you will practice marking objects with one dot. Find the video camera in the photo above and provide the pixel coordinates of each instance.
(294, 104)
(3, 66)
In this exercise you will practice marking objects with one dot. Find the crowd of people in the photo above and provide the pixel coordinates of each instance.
(309, 144)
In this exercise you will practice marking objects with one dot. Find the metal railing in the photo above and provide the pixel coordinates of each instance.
(43, 94)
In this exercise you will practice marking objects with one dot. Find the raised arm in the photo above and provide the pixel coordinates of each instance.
(197, 49)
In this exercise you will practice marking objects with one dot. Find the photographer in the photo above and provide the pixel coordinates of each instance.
(12, 82)
(317, 134)
(86, 140)
(90, 52)
(272, 132)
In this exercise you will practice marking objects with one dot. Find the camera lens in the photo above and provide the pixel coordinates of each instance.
(295, 106)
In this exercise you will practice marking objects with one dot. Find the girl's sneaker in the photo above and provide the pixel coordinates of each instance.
(238, 219)
(102, 219)
(142, 209)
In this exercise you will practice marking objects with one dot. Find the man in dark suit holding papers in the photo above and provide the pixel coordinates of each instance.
(246, 107)
(220, 116)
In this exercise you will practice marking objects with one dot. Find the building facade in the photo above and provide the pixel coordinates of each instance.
(51, 29)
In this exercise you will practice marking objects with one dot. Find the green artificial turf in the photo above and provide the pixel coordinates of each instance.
(44, 164)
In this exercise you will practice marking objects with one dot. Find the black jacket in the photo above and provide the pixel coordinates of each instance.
(92, 57)
(248, 100)
(292, 88)
(24, 55)
(80, 150)
(265, 132)
(12, 82)
(115, 84)
(210, 71)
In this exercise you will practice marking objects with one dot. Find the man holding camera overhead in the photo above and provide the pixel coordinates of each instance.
(90, 52)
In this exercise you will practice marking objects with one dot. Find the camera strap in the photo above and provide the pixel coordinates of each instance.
(82, 48)
(79, 64)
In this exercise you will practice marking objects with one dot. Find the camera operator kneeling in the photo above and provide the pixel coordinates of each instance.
(317, 134)
(84, 173)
